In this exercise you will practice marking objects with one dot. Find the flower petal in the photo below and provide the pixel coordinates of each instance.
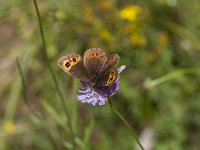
(103, 100)
(81, 97)
(94, 102)
(90, 100)
(121, 68)
(115, 86)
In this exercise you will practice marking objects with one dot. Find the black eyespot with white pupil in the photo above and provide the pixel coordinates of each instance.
(67, 64)
(111, 79)
(74, 59)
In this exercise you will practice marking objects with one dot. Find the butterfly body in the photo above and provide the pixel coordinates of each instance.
(94, 68)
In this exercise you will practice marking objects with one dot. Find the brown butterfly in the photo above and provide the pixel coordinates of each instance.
(94, 67)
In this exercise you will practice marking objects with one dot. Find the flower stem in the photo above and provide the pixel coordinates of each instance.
(126, 123)
(23, 82)
(172, 75)
(52, 74)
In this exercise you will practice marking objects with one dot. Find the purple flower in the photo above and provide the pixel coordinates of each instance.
(98, 94)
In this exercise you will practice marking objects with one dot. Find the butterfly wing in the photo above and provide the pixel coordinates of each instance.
(73, 65)
(110, 72)
(111, 62)
(94, 61)
(108, 77)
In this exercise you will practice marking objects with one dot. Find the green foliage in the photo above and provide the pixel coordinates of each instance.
(158, 41)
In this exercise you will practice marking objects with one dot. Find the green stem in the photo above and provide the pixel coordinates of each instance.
(52, 74)
(126, 123)
(171, 75)
(23, 82)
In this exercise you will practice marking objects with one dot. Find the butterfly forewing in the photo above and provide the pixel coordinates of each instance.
(94, 61)
(111, 62)
(73, 65)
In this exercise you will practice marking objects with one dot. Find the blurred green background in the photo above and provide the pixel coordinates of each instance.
(158, 41)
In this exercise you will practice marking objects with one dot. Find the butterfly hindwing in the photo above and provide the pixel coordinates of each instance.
(108, 77)
(73, 65)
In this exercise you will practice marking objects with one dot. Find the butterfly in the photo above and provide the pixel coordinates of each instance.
(94, 68)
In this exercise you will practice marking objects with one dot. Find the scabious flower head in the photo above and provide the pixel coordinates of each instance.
(98, 94)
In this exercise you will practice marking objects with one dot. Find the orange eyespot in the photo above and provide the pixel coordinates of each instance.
(111, 77)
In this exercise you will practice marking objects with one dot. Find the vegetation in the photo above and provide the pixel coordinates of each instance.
(159, 99)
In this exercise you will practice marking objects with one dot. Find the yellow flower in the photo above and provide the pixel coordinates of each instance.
(9, 127)
(137, 39)
(88, 15)
(105, 4)
(105, 35)
(130, 13)
(163, 39)
(60, 14)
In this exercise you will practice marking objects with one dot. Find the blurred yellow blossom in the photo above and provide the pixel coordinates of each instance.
(130, 13)
(163, 39)
(60, 14)
(128, 28)
(106, 4)
(137, 39)
(88, 15)
(105, 35)
(9, 127)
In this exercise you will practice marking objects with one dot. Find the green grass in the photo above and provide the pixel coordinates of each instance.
(158, 43)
